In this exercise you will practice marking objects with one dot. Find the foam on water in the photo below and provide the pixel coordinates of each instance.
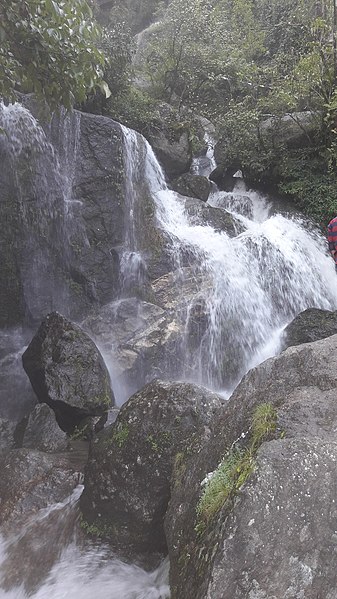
(75, 571)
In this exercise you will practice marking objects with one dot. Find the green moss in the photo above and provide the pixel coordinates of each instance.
(121, 434)
(104, 399)
(96, 529)
(80, 432)
(159, 442)
(235, 469)
(179, 467)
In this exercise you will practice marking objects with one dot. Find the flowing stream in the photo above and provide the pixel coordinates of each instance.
(33, 566)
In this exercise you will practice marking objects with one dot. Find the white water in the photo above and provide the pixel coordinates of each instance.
(73, 569)
(132, 265)
(260, 279)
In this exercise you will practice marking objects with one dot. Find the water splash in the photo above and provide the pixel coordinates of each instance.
(30, 566)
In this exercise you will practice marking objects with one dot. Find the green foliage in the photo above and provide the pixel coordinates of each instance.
(264, 423)
(135, 109)
(235, 468)
(230, 475)
(96, 529)
(307, 179)
(49, 47)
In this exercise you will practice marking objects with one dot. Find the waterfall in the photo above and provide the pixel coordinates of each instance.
(37, 202)
(248, 287)
(133, 267)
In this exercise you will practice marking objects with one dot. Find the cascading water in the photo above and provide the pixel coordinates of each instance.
(31, 566)
(40, 186)
(132, 265)
(257, 281)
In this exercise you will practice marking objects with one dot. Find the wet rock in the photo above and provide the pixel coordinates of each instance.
(171, 143)
(138, 340)
(285, 520)
(193, 186)
(142, 340)
(127, 480)
(283, 517)
(67, 372)
(217, 218)
(31, 480)
(17, 397)
(311, 325)
(7, 428)
(42, 431)
(62, 199)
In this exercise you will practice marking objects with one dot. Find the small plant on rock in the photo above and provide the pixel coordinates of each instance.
(235, 468)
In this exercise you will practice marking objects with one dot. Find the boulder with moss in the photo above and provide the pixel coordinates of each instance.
(273, 536)
(67, 372)
(127, 479)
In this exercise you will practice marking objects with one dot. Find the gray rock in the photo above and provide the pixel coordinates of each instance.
(64, 224)
(193, 186)
(175, 155)
(42, 431)
(67, 372)
(7, 428)
(201, 214)
(311, 325)
(127, 480)
(279, 539)
(272, 542)
(142, 340)
(31, 480)
(295, 129)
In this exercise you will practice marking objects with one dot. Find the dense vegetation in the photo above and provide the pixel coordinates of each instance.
(239, 62)
(236, 62)
(49, 47)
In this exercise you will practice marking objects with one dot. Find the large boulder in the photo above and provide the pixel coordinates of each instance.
(311, 325)
(276, 537)
(295, 130)
(175, 155)
(127, 479)
(192, 186)
(33, 481)
(67, 372)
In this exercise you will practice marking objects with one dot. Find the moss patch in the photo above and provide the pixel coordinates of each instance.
(121, 434)
(235, 469)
